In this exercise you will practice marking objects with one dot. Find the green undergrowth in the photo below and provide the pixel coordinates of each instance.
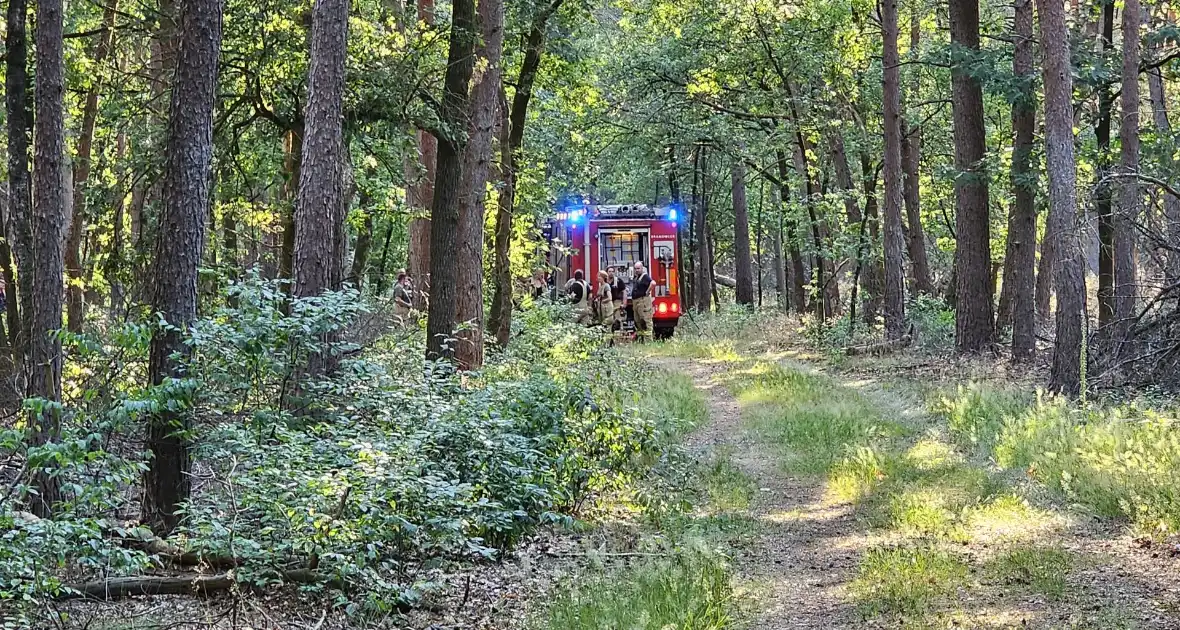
(688, 591)
(1120, 461)
(390, 464)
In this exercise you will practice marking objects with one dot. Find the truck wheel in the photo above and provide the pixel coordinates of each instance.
(663, 333)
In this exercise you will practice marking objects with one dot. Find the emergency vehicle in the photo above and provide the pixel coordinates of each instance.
(590, 238)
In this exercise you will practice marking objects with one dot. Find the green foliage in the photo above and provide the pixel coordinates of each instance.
(933, 320)
(689, 591)
(390, 465)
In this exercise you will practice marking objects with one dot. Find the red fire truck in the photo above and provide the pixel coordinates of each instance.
(591, 237)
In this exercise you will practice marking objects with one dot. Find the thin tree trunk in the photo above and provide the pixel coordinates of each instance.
(477, 158)
(19, 220)
(445, 236)
(894, 258)
(1159, 114)
(114, 264)
(704, 281)
(1045, 265)
(1062, 228)
(974, 324)
(421, 175)
(179, 245)
(364, 244)
(851, 208)
(1125, 290)
(743, 266)
(1104, 202)
(1017, 308)
(75, 302)
(796, 274)
(911, 159)
(512, 143)
(293, 174)
(874, 273)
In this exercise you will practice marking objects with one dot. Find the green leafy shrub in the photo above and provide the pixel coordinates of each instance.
(390, 466)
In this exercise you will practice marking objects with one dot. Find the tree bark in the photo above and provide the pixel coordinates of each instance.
(500, 319)
(49, 206)
(75, 300)
(1017, 308)
(743, 265)
(19, 220)
(477, 158)
(874, 272)
(1103, 200)
(293, 173)
(445, 236)
(852, 211)
(796, 274)
(1062, 227)
(701, 265)
(974, 324)
(364, 245)
(179, 245)
(420, 178)
(319, 212)
(911, 159)
(894, 259)
(1125, 289)
(1159, 113)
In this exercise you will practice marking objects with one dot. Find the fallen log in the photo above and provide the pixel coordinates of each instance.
(725, 281)
(190, 584)
(122, 587)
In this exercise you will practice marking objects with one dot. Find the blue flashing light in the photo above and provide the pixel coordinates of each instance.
(672, 214)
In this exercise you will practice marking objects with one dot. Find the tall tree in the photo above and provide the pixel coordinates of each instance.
(1103, 198)
(179, 246)
(18, 227)
(1017, 307)
(420, 178)
(442, 315)
(1062, 228)
(743, 265)
(1125, 291)
(75, 295)
(701, 263)
(891, 89)
(796, 273)
(974, 326)
(49, 207)
(319, 213)
(511, 145)
(911, 161)
(481, 130)
(1159, 114)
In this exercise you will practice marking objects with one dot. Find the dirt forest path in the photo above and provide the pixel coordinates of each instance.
(794, 562)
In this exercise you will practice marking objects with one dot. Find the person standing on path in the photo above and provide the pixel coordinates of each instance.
(641, 302)
(403, 299)
(604, 308)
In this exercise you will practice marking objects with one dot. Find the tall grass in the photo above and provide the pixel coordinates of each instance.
(687, 592)
(1120, 461)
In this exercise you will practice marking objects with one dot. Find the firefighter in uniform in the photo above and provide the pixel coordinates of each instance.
(641, 302)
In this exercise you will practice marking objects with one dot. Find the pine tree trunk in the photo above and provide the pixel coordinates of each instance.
(500, 318)
(442, 316)
(1125, 289)
(1062, 227)
(894, 259)
(1159, 113)
(796, 274)
(75, 301)
(420, 174)
(1045, 265)
(974, 324)
(874, 272)
(179, 245)
(743, 265)
(49, 207)
(364, 245)
(1104, 201)
(477, 158)
(20, 204)
(319, 211)
(911, 160)
(292, 173)
(1017, 308)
